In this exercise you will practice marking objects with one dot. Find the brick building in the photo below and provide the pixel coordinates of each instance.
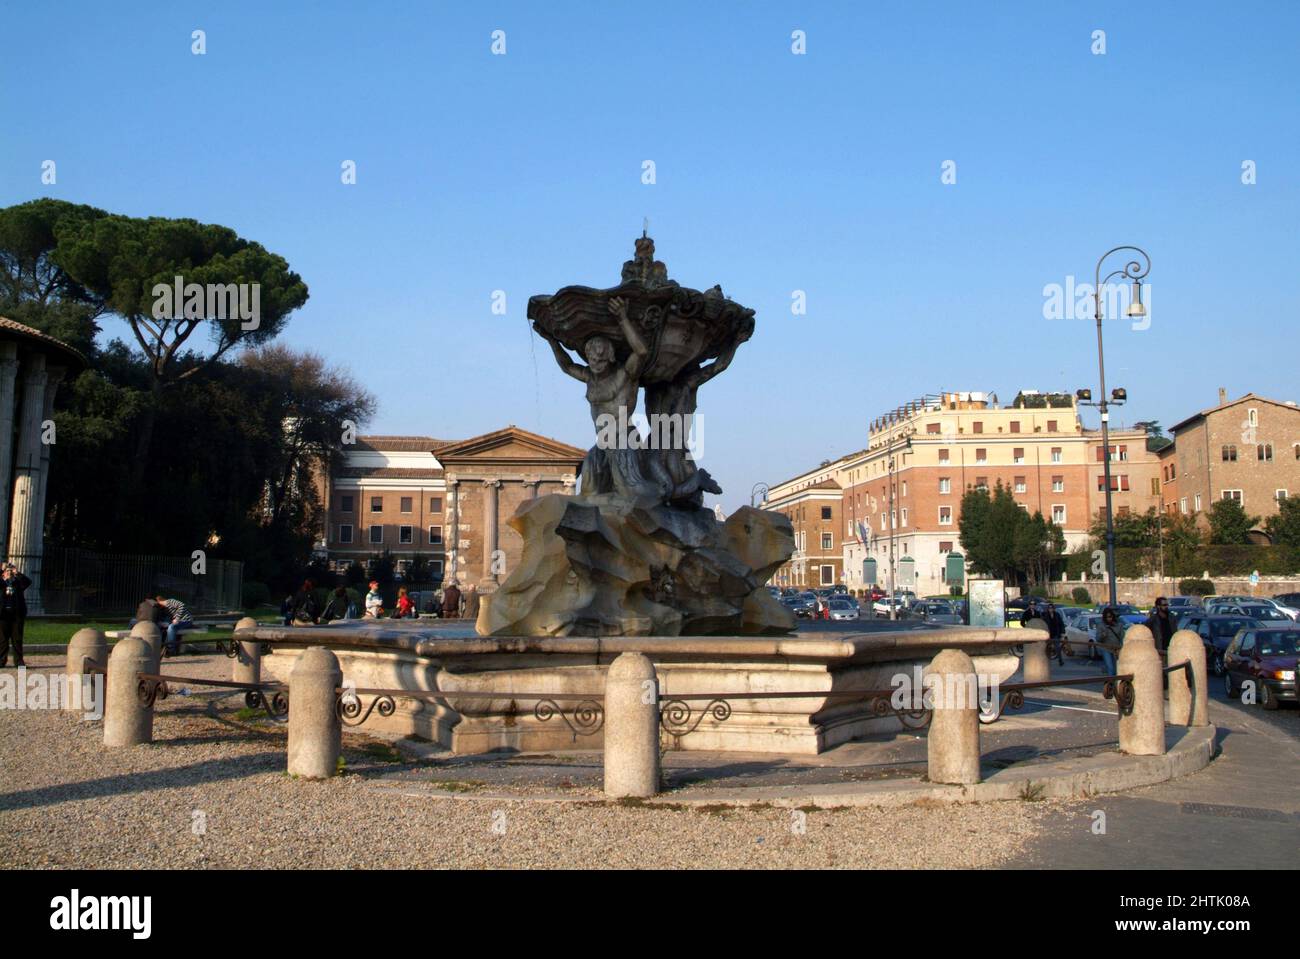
(1246, 449)
(447, 501)
(897, 503)
(812, 502)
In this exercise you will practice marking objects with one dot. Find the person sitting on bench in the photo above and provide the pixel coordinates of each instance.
(179, 618)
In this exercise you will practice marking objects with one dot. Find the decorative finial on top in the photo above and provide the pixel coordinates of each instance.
(643, 268)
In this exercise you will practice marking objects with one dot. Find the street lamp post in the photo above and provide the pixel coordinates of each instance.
(1133, 271)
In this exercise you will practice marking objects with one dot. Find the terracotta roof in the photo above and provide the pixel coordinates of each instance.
(44, 339)
(387, 472)
(401, 444)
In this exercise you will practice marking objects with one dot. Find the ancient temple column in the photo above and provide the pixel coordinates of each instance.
(491, 496)
(27, 465)
(453, 523)
(47, 413)
(8, 377)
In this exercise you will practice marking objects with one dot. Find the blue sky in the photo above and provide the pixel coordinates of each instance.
(775, 173)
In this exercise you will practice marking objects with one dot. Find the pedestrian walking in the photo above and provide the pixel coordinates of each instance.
(405, 608)
(13, 614)
(1055, 632)
(471, 603)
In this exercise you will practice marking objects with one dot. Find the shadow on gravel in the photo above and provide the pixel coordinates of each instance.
(211, 771)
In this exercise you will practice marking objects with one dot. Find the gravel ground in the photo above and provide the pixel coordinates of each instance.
(211, 792)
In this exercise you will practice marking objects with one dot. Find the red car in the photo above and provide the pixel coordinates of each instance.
(1264, 658)
(877, 593)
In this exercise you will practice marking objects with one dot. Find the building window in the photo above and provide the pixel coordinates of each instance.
(1123, 453)
(932, 427)
(1252, 417)
(828, 541)
(1182, 505)
(1121, 511)
(345, 504)
(904, 515)
(1279, 495)
(1173, 471)
(828, 575)
(407, 504)
(945, 546)
(1232, 494)
(904, 493)
(981, 482)
(1118, 483)
(1051, 426)
(1056, 454)
(945, 515)
(435, 504)
(1058, 515)
(1015, 426)
(376, 504)
(435, 535)
(1196, 503)
(977, 427)
(1058, 484)
(943, 455)
(1020, 484)
(376, 534)
(1229, 454)
(345, 533)
(981, 457)
(1017, 455)
(1155, 486)
(883, 521)
(1264, 452)
(405, 535)
(945, 485)
(826, 512)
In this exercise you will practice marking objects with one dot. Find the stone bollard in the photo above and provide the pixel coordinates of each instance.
(85, 644)
(631, 728)
(315, 730)
(953, 740)
(1034, 664)
(1142, 731)
(248, 655)
(1187, 703)
(152, 635)
(126, 721)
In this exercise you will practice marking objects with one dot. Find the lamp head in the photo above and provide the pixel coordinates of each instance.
(1119, 394)
(1135, 307)
(1083, 396)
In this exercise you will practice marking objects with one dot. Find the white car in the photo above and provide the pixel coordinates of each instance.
(881, 606)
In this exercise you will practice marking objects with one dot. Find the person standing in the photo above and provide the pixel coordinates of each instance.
(1109, 634)
(1161, 624)
(177, 618)
(471, 603)
(405, 608)
(13, 614)
(451, 602)
(1055, 632)
(374, 601)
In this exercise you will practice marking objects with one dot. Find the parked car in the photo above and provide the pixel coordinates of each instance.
(1264, 612)
(882, 606)
(1266, 657)
(1179, 602)
(804, 605)
(937, 611)
(841, 610)
(1216, 632)
(1082, 631)
(1290, 600)
(839, 589)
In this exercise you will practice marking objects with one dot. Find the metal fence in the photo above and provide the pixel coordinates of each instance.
(70, 581)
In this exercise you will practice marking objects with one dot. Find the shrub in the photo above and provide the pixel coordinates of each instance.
(256, 594)
(1081, 596)
(1195, 587)
(1038, 591)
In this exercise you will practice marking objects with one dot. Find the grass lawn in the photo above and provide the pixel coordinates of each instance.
(44, 631)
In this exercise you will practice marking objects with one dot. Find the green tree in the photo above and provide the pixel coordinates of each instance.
(1229, 523)
(1284, 528)
(123, 264)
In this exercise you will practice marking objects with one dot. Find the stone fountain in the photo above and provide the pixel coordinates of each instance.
(635, 563)
(635, 552)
